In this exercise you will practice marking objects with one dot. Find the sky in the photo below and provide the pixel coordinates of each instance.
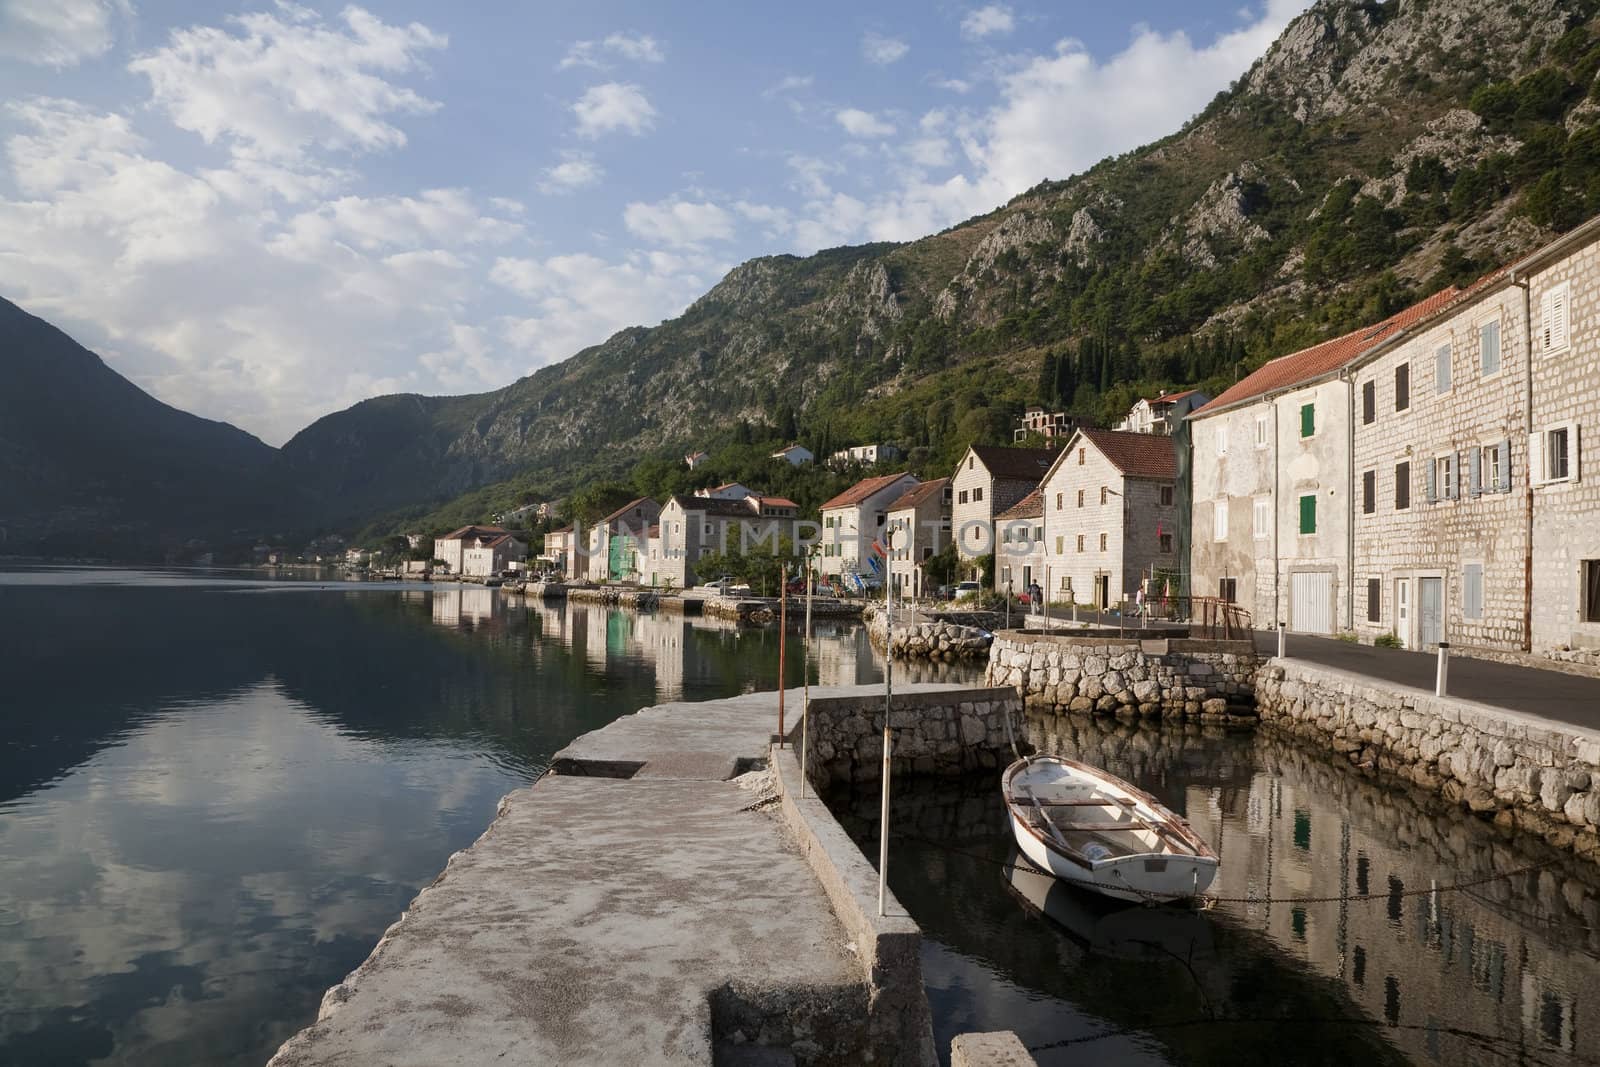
(265, 212)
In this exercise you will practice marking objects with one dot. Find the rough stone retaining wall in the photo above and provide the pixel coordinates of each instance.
(1179, 678)
(943, 733)
(918, 637)
(1533, 774)
(619, 596)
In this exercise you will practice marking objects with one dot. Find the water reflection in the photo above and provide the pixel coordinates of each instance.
(1505, 972)
(215, 797)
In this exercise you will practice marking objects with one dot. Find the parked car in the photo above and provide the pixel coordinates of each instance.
(945, 592)
(966, 589)
(722, 586)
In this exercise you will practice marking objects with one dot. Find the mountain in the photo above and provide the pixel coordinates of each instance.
(1377, 151)
(92, 465)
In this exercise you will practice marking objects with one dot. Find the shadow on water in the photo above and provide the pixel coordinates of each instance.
(1506, 972)
(214, 798)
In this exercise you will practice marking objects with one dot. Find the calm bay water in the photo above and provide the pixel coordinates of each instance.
(215, 795)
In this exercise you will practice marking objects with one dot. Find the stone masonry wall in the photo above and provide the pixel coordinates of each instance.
(945, 733)
(1531, 774)
(918, 637)
(1210, 681)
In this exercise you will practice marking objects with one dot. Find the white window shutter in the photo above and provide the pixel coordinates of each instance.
(1505, 466)
(1573, 453)
(1536, 459)
(1558, 318)
(1546, 303)
(1433, 493)
(1475, 477)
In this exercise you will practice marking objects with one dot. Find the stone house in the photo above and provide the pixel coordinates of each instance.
(612, 543)
(1110, 515)
(794, 455)
(855, 519)
(1162, 414)
(865, 455)
(726, 491)
(694, 527)
(1047, 424)
(989, 479)
(1270, 504)
(1019, 556)
(449, 548)
(917, 528)
(487, 555)
(561, 551)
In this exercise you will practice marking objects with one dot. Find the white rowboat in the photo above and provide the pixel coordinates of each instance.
(1086, 826)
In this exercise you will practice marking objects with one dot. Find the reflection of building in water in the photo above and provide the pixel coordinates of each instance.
(554, 622)
(464, 603)
(843, 657)
(1501, 972)
(660, 642)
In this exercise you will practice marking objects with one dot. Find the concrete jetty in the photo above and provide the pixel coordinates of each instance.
(648, 901)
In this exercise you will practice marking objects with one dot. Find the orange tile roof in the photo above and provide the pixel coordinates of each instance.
(778, 502)
(472, 531)
(1142, 455)
(862, 490)
(917, 494)
(1318, 360)
(1029, 507)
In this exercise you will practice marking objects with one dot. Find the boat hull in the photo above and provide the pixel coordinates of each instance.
(1129, 878)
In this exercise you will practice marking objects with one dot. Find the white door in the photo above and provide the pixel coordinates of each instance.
(1402, 611)
(1311, 602)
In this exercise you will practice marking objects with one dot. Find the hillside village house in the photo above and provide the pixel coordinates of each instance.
(448, 549)
(1162, 414)
(693, 527)
(726, 491)
(989, 479)
(614, 543)
(696, 459)
(1049, 424)
(1019, 557)
(794, 455)
(561, 551)
(866, 455)
(487, 556)
(918, 527)
(856, 518)
(1110, 515)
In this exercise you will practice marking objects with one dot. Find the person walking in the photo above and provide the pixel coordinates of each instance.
(1036, 599)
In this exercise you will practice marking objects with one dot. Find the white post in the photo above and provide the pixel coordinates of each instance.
(1441, 680)
(1280, 639)
(888, 743)
(805, 679)
(1047, 600)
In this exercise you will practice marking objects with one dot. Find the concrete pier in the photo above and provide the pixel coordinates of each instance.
(646, 902)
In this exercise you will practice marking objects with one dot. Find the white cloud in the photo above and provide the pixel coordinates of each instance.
(288, 81)
(680, 223)
(955, 85)
(635, 47)
(882, 50)
(858, 123)
(58, 33)
(930, 152)
(577, 170)
(988, 21)
(792, 84)
(611, 107)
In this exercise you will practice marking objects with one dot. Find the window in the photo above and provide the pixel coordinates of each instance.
(1219, 521)
(1166, 542)
(963, 496)
(1038, 534)
(977, 494)
(1308, 420)
(1552, 336)
(1441, 369)
(1222, 439)
(1102, 542)
(1402, 387)
(1369, 492)
(1166, 496)
(1402, 486)
(1080, 542)
(1262, 433)
(1080, 498)
(1060, 546)
(1261, 518)
(1553, 455)
(1489, 347)
(1081, 453)
(1472, 591)
(1058, 500)
(1494, 468)
(1103, 495)
(970, 461)
(1228, 589)
(1591, 590)
(1308, 513)
(1374, 599)
(1442, 484)
(1369, 402)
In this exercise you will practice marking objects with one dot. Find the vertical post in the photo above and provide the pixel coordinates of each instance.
(1008, 605)
(1441, 680)
(805, 675)
(888, 748)
(783, 633)
(1047, 599)
(1280, 639)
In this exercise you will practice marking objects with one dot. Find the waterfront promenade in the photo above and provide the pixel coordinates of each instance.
(644, 903)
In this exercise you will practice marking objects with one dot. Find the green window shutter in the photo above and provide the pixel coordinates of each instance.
(1308, 420)
(1308, 514)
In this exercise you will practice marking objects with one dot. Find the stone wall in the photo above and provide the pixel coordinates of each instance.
(916, 636)
(945, 733)
(1181, 678)
(1532, 774)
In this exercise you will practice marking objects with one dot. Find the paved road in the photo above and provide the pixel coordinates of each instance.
(1568, 698)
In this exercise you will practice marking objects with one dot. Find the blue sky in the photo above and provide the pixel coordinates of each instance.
(263, 212)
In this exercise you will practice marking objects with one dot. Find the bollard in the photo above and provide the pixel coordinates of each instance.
(1441, 681)
(1281, 632)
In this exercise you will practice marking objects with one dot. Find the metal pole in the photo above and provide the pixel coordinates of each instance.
(1046, 592)
(888, 748)
(805, 675)
(1442, 679)
(1281, 632)
(1008, 605)
(783, 634)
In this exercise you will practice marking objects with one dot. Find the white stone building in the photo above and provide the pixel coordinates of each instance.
(487, 556)
(694, 527)
(854, 520)
(1019, 556)
(1110, 516)
(794, 455)
(726, 491)
(865, 455)
(918, 527)
(1162, 414)
(1047, 424)
(449, 548)
(989, 479)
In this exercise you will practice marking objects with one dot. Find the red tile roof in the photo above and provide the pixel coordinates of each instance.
(1017, 464)
(1139, 455)
(624, 509)
(917, 494)
(1029, 507)
(863, 490)
(1318, 360)
(778, 502)
(1173, 398)
(472, 531)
